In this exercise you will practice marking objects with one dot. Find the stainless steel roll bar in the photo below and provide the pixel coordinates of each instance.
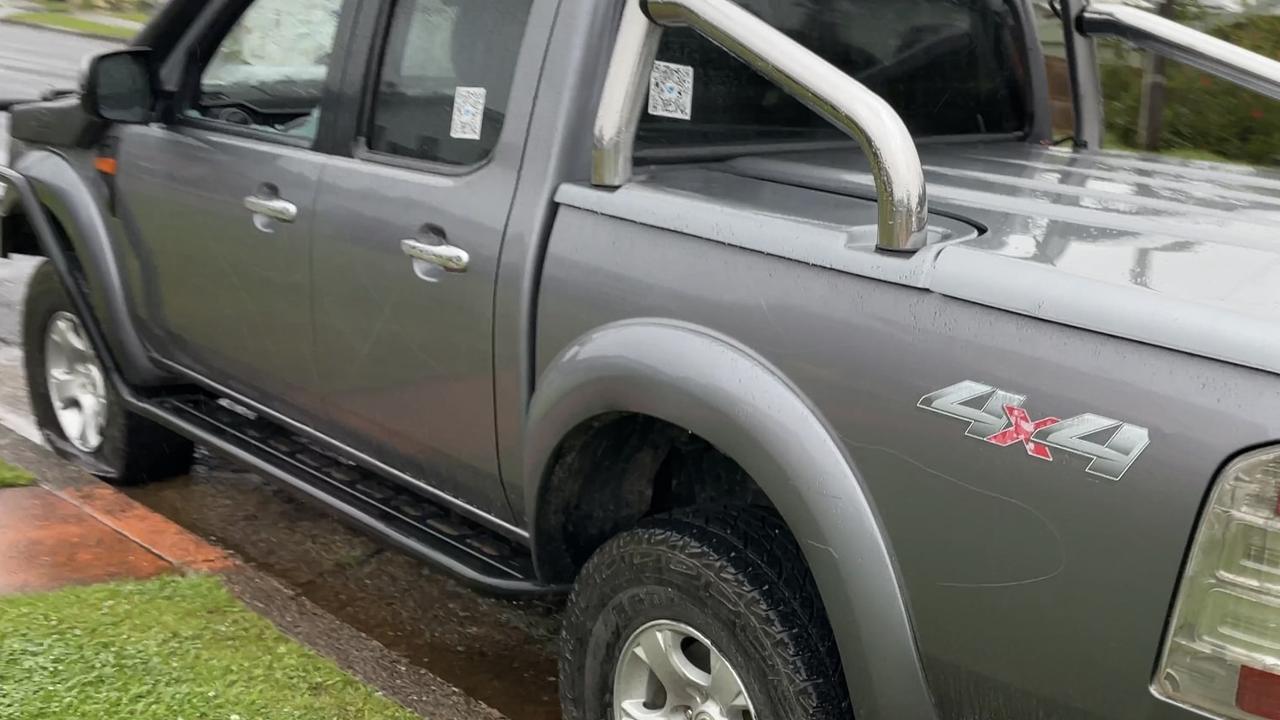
(1179, 42)
(841, 100)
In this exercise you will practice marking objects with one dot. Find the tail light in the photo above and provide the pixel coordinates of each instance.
(1222, 653)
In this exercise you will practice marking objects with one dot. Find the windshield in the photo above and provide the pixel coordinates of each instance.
(949, 67)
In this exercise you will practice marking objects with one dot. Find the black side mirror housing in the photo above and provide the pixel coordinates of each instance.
(119, 86)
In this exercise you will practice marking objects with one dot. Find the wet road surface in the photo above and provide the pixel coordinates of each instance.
(33, 61)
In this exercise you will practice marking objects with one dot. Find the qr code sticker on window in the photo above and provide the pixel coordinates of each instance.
(671, 91)
(468, 113)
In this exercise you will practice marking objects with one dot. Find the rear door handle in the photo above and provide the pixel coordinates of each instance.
(452, 259)
(272, 207)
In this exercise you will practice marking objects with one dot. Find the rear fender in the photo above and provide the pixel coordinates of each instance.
(706, 384)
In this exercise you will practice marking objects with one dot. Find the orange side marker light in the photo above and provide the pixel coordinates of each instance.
(105, 165)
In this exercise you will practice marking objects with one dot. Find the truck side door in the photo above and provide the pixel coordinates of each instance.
(407, 235)
(217, 204)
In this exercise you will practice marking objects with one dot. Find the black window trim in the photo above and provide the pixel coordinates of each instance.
(360, 84)
(1033, 93)
(212, 36)
(716, 152)
(360, 150)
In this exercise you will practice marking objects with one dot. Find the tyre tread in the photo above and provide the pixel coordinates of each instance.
(751, 556)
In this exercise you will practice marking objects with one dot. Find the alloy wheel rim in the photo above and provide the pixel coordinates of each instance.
(669, 671)
(76, 383)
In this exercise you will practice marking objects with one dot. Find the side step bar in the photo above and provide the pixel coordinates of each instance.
(445, 539)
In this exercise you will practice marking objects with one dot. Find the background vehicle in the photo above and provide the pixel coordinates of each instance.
(807, 441)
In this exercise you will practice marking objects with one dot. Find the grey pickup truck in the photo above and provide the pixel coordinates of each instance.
(779, 334)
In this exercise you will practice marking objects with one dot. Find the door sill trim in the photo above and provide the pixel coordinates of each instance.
(493, 523)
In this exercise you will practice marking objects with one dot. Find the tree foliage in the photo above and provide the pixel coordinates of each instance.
(1203, 112)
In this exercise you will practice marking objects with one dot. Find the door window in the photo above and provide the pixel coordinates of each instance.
(445, 78)
(269, 71)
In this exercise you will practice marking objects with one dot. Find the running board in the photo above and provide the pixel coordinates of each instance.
(455, 544)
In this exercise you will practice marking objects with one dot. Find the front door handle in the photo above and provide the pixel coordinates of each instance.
(452, 259)
(273, 207)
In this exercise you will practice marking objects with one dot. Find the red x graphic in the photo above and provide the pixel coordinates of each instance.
(1022, 430)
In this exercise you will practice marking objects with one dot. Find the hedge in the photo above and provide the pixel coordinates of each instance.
(1202, 112)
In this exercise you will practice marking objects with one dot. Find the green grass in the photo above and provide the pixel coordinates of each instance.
(169, 649)
(70, 22)
(62, 6)
(11, 476)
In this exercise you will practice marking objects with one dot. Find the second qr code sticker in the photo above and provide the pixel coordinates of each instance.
(468, 113)
(671, 91)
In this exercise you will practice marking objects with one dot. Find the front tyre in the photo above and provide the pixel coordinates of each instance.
(701, 615)
(75, 403)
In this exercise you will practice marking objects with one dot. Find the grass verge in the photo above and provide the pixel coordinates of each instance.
(172, 648)
(62, 6)
(11, 476)
(70, 22)
(138, 17)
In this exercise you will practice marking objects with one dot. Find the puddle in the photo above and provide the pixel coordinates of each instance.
(501, 653)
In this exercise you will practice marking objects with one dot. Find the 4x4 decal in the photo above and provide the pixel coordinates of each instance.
(997, 416)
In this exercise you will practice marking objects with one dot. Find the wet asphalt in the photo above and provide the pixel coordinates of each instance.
(498, 652)
(34, 61)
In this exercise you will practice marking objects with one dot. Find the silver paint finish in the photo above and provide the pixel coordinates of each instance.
(1179, 254)
(220, 292)
(806, 375)
(1034, 589)
(715, 387)
(76, 382)
(405, 346)
(821, 229)
(798, 71)
(570, 79)
(1163, 36)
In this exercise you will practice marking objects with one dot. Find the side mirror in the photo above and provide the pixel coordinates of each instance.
(118, 86)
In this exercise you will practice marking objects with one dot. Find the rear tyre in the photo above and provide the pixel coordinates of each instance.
(700, 615)
(76, 405)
